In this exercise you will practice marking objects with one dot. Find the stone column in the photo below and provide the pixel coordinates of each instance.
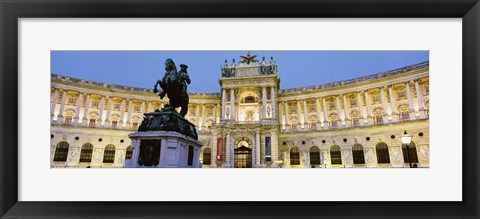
(410, 101)
(264, 102)
(298, 114)
(53, 105)
(272, 97)
(214, 113)
(142, 108)
(232, 104)
(149, 107)
(421, 108)
(347, 157)
(345, 111)
(109, 108)
(227, 150)
(286, 115)
(360, 108)
(384, 104)
(197, 116)
(338, 106)
(325, 122)
(224, 101)
(77, 109)
(129, 114)
(85, 111)
(392, 104)
(213, 156)
(257, 148)
(203, 116)
(367, 106)
(305, 115)
(100, 111)
(274, 148)
(317, 110)
(122, 113)
(279, 116)
(396, 155)
(62, 107)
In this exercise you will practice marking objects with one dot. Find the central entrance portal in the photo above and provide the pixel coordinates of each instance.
(243, 157)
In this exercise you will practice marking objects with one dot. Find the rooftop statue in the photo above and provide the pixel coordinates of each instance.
(247, 59)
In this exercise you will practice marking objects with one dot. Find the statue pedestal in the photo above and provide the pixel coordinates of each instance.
(164, 149)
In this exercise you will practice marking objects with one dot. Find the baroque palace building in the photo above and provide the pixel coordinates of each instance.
(252, 122)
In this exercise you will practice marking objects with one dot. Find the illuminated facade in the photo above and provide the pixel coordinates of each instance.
(254, 123)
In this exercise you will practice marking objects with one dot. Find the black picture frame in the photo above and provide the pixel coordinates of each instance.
(12, 10)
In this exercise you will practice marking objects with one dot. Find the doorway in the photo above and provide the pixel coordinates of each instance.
(243, 157)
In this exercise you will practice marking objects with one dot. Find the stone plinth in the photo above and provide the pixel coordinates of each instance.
(167, 119)
(164, 149)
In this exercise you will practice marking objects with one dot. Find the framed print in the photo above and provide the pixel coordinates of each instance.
(200, 109)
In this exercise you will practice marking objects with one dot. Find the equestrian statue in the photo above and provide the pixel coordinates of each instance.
(174, 84)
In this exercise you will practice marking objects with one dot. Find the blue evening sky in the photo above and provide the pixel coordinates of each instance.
(295, 68)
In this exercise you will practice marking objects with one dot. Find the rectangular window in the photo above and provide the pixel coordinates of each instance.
(95, 104)
(313, 126)
(312, 108)
(114, 124)
(71, 100)
(210, 112)
(293, 109)
(376, 99)
(294, 158)
(355, 122)
(401, 94)
(68, 120)
(405, 116)
(135, 125)
(333, 124)
(137, 108)
(379, 119)
(294, 127)
(353, 102)
(91, 123)
(116, 106)
(332, 105)
(336, 157)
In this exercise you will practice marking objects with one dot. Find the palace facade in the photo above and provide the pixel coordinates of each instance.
(354, 123)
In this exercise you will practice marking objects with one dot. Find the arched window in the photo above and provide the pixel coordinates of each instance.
(313, 122)
(378, 115)
(314, 155)
(293, 123)
(333, 120)
(68, 117)
(61, 152)
(249, 99)
(355, 119)
(358, 155)
(403, 113)
(382, 153)
(129, 153)
(92, 119)
(109, 154)
(413, 153)
(294, 156)
(335, 155)
(207, 156)
(86, 153)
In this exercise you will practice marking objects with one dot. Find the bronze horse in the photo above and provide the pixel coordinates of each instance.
(174, 84)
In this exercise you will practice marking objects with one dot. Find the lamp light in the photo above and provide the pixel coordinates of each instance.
(406, 138)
